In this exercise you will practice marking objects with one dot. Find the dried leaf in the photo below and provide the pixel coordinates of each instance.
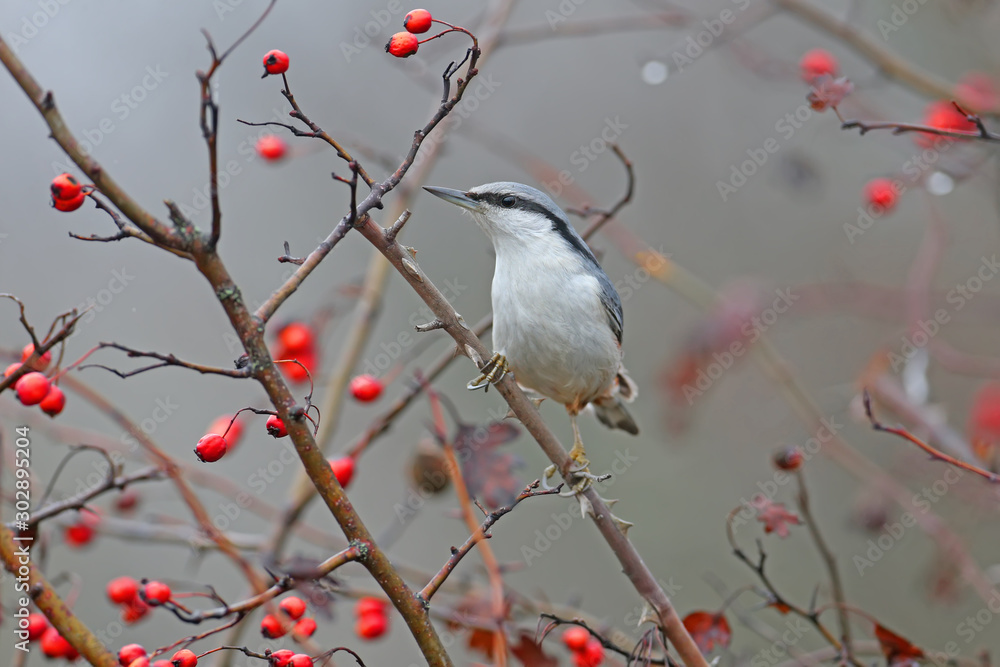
(898, 651)
(776, 518)
(829, 92)
(531, 654)
(488, 472)
(708, 630)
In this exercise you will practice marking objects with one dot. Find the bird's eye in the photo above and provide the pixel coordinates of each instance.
(508, 201)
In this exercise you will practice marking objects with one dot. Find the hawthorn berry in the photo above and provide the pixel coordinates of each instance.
(881, 192)
(134, 611)
(271, 148)
(54, 401)
(343, 470)
(296, 337)
(295, 372)
(369, 605)
(293, 606)
(232, 433)
(37, 625)
(271, 627)
(141, 661)
(591, 655)
(65, 186)
(300, 660)
(366, 388)
(10, 370)
(122, 590)
(282, 658)
(789, 458)
(54, 645)
(817, 63)
(575, 638)
(130, 652)
(276, 427)
(371, 626)
(155, 593)
(305, 627)
(184, 658)
(402, 45)
(418, 21)
(68, 205)
(39, 364)
(81, 533)
(32, 387)
(275, 62)
(211, 448)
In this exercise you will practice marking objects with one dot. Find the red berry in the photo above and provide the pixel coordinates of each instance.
(417, 21)
(371, 626)
(142, 661)
(343, 470)
(32, 387)
(130, 652)
(67, 205)
(221, 426)
(817, 63)
(789, 458)
(39, 364)
(591, 655)
(271, 148)
(304, 628)
(10, 370)
(402, 44)
(369, 605)
(575, 638)
(65, 186)
(156, 593)
(184, 658)
(943, 115)
(275, 62)
(881, 192)
(276, 427)
(293, 606)
(54, 401)
(54, 645)
(271, 627)
(300, 660)
(37, 625)
(211, 448)
(126, 501)
(162, 663)
(282, 658)
(366, 388)
(134, 611)
(122, 590)
(296, 337)
(297, 373)
(79, 534)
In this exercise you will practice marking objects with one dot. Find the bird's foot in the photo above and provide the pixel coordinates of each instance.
(492, 372)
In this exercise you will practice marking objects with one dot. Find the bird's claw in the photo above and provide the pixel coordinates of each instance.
(493, 371)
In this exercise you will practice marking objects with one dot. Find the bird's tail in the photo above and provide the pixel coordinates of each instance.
(610, 410)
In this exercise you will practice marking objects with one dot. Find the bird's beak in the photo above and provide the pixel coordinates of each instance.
(456, 197)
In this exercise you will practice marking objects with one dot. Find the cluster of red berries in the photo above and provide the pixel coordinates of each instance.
(134, 655)
(124, 591)
(67, 193)
(405, 44)
(34, 388)
(53, 644)
(293, 609)
(287, 658)
(373, 618)
(296, 340)
(587, 649)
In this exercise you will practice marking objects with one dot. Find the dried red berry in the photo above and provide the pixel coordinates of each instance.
(211, 448)
(418, 21)
(276, 427)
(275, 62)
(402, 45)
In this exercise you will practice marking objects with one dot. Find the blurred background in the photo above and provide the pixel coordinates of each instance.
(690, 92)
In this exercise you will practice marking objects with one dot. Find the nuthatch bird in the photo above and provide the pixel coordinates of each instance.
(557, 319)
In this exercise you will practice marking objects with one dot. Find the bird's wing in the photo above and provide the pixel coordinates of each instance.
(612, 305)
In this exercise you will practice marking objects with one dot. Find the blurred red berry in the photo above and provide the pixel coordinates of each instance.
(789, 458)
(304, 628)
(296, 337)
(10, 370)
(271, 627)
(294, 371)
(402, 44)
(211, 448)
(122, 590)
(369, 605)
(126, 501)
(575, 638)
(591, 655)
(130, 652)
(943, 115)
(32, 387)
(141, 661)
(371, 626)
(232, 434)
(366, 388)
(293, 606)
(65, 186)
(184, 658)
(275, 62)
(300, 660)
(276, 427)
(37, 625)
(417, 21)
(978, 90)
(271, 148)
(134, 611)
(817, 63)
(282, 658)
(68, 205)
(984, 424)
(343, 470)
(881, 192)
(81, 533)
(54, 645)
(39, 364)
(54, 401)
(155, 593)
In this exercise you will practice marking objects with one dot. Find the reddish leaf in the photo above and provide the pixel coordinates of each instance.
(829, 92)
(708, 630)
(899, 652)
(780, 607)
(530, 654)
(488, 472)
(775, 518)
(475, 609)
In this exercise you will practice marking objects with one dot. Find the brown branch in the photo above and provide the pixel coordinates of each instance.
(166, 360)
(111, 483)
